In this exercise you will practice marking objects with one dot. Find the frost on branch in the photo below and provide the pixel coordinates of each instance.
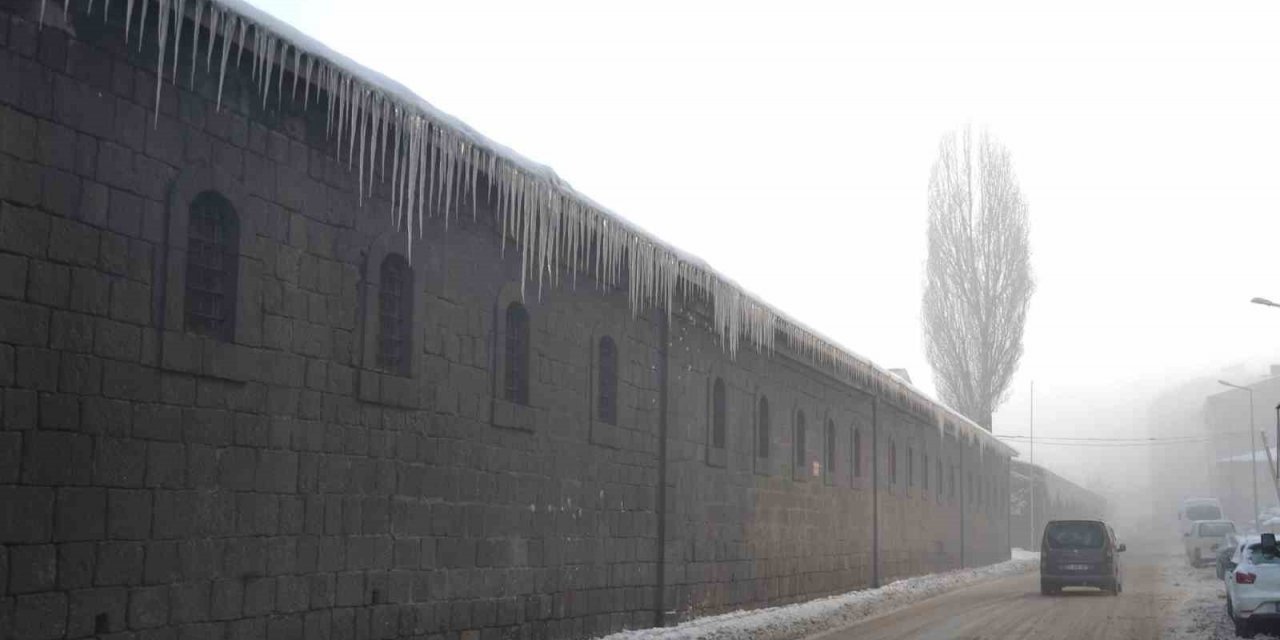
(433, 162)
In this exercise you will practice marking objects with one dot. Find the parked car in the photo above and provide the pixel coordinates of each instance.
(1080, 553)
(1226, 550)
(1202, 539)
(1253, 586)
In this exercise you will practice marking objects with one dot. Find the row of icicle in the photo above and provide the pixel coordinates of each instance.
(435, 168)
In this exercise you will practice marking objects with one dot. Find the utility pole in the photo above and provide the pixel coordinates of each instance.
(1031, 420)
(1253, 459)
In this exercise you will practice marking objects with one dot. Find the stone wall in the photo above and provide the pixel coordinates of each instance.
(281, 483)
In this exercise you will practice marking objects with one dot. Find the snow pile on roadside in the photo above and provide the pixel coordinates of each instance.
(806, 618)
(1202, 612)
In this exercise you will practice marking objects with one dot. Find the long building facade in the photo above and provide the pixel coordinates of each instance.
(250, 387)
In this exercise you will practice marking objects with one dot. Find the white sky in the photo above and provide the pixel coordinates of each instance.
(789, 144)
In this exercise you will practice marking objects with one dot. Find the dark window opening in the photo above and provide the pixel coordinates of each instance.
(857, 453)
(893, 463)
(800, 442)
(831, 447)
(607, 391)
(516, 375)
(395, 314)
(924, 472)
(213, 236)
(762, 428)
(938, 477)
(911, 467)
(718, 414)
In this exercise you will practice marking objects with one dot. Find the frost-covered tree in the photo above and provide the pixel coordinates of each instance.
(978, 275)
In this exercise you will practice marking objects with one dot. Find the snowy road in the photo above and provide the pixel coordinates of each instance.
(1013, 608)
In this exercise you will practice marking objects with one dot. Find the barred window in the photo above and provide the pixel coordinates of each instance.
(213, 235)
(831, 446)
(516, 376)
(607, 385)
(718, 414)
(762, 428)
(800, 440)
(395, 314)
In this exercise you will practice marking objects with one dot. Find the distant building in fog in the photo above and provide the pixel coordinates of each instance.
(1227, 422)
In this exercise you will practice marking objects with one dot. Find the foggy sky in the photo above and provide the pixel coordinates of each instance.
(790, 146)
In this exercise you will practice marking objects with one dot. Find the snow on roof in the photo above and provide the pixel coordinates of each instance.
(436, 162)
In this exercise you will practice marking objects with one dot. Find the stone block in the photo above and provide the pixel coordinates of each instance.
(80, 514)
(148, 607)
(226, 599)
(13, 276)
(131, 301)
(23, 324)
(189, 602)
(157, 422)
(90, 291)
(48, 283)
(119, 563)
(128, 514)
(166, 465)
(23, 231)
(129, 381)
(60, 192)
(106, 417)
(57, 458)
(70, 331)
(32, 568)
(259, 596)
(117, 340)
(59, 411)
(40, 616)
(37, 369)
(77, 563)
(162, 564)
(97, 611)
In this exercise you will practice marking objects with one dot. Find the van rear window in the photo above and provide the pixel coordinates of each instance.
(1216, 529)
(1075, 535)
(1204, 512)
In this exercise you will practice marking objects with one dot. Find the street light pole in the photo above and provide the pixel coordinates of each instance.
(1253, 452)
(1265, 302)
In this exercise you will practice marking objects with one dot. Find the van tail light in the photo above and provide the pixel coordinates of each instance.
(1244, 577)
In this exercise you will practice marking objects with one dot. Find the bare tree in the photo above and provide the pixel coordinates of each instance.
(978, 275)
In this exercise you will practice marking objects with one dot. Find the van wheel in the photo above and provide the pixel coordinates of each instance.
(1195, 558)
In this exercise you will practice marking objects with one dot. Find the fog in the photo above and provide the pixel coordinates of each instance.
(791, 149)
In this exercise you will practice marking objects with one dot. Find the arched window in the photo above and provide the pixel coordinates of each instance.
(831, 446)
(516, 374)
(213, 237)
(801, 452)
(762, 428)
(718, 414)
(857, 453)
(395, 313)
(607, 385)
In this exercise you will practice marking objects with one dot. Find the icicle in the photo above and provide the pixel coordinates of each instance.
(179, 12)
(128, 18)
(266, 59)
(284, 56)
(42, 3)
(195, 42)
(89, 11)
(244, 31)
(297, 71)
(106, 10)
(213, 36)
(163, 33)
(142, 24)
(306, 81)
(230, 25)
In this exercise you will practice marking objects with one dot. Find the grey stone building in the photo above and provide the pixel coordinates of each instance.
(239, 400)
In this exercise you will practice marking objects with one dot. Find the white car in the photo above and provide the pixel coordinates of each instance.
(1253, 585)
(1202, 540)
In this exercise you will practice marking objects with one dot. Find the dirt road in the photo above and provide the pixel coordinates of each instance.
(1013, 608)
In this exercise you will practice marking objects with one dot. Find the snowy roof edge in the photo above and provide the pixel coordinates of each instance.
(553, 201)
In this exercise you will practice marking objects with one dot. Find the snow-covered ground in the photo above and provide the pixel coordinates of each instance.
(807, 618)
(1202, 613)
